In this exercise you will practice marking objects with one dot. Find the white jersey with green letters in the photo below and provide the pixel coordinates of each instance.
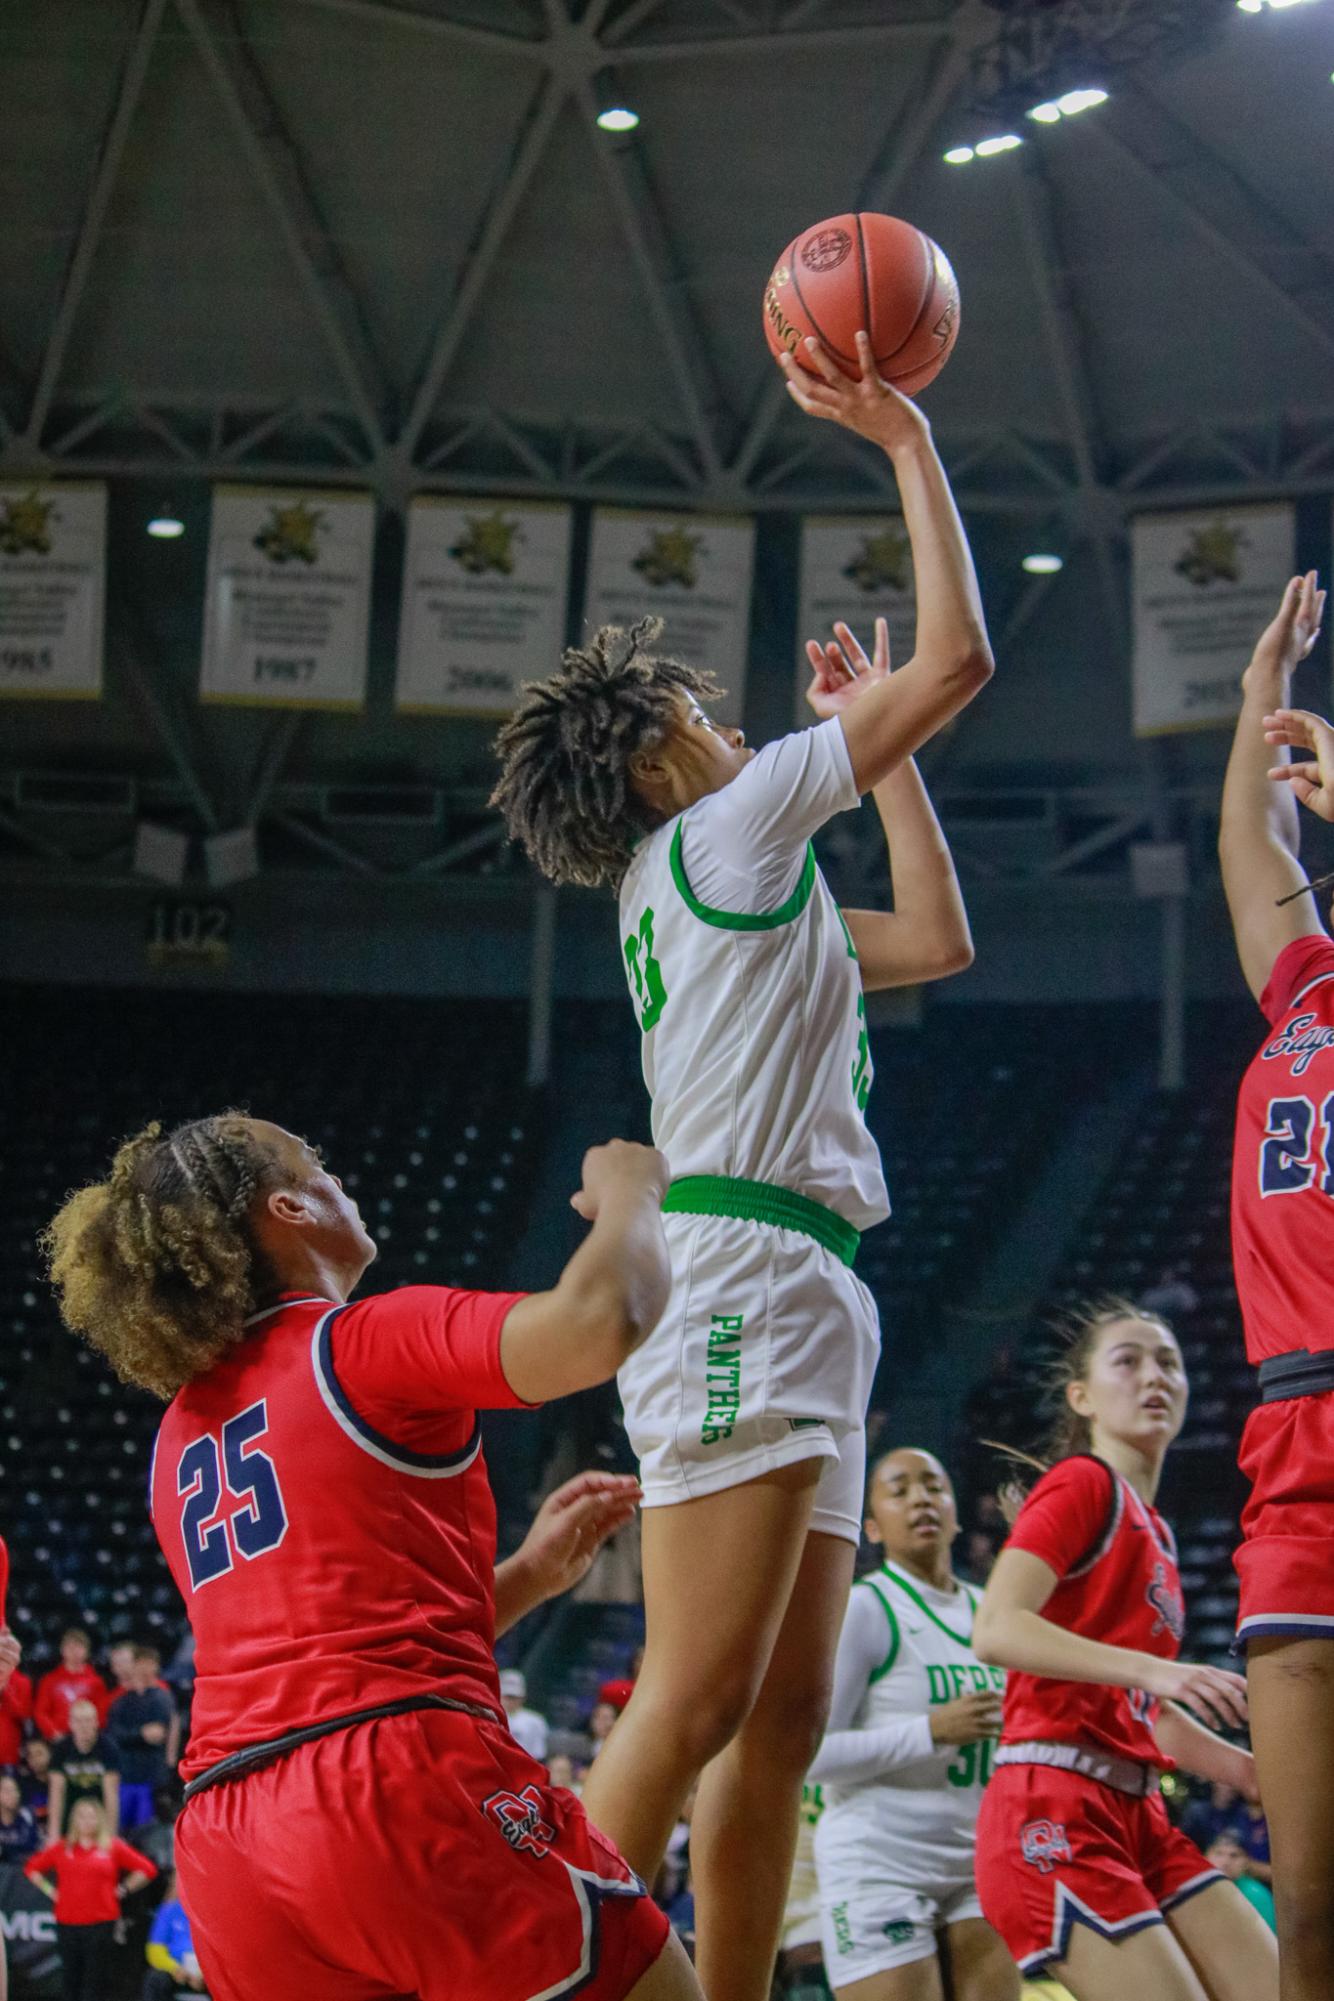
(747, 987)
(901, 1810)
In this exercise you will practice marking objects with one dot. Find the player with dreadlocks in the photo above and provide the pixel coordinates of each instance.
(746, 1406)
(355, 1798)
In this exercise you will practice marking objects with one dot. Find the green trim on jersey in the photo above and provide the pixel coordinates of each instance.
(762, 1202)
(895, 1637)
(741, 920)
(960, 1639)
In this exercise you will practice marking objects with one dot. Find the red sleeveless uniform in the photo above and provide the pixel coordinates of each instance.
(1058, 1847)
(322, 1502)
(1283, 1256)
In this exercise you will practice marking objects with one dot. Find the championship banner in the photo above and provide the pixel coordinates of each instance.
(1204, 584)
(691, 570)
(287, 603)
(52, 589)
(485, 590)
(857, 568)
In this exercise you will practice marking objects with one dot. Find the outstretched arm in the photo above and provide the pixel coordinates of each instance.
(951, 659)
(1259, 837)
(568, 1530)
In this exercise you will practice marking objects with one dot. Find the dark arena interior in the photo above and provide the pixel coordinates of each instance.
(356, 358)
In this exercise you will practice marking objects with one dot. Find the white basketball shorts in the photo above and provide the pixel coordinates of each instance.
(764, 1356)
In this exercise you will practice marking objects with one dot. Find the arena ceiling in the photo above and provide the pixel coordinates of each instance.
(384, 243)
(387, 241)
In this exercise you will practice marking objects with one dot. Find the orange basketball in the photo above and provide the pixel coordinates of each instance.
(870, 272)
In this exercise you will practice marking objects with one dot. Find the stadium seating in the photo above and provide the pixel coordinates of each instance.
(1163, 1208)
(421, 1108)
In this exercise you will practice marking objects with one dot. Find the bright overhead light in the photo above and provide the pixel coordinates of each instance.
(1250, 6)
(166, 527)
(958, 155)
(1076, 101)
(1046, 114)
(618, 118)
(1005, 143)
(1042, 564)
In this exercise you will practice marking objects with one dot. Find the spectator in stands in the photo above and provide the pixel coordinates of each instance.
(15, 1715)
(600, 1723)
(120, 1666)
(87, 1873)
(527, 1726)
(171, 1953)
(139, 1725)
(561, 1772)
(18, 1830)
(74, 1680)
(158, 1837)
(84, 1765)
(619, 1690)
(1252, 1831)
(1217, 1813)
(1226, 1853)
(35, 1779)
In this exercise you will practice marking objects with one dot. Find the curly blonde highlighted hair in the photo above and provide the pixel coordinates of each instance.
(156, 1267)
(565, 790)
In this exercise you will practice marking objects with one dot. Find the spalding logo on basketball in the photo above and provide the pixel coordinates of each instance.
(872, 272)
(825, 249)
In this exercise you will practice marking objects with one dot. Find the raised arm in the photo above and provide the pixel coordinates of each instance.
(926, 935)
(610, 1295)
(1259, 837)
(1010, 1631)
(951, 658)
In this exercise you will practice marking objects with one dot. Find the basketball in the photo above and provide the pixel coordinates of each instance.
(872, 272)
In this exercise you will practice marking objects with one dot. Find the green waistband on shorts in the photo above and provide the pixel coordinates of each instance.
(761, 1202)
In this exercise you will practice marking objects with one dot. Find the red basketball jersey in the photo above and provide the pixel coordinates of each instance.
(1116, 1559)
(4, 1583)
(1283, 1162)
(322, 1502)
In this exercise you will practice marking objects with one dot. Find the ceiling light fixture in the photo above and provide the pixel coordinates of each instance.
(166, 526)
(1045, 114)
(1043, 564)
(1005, 142)
(958, 156)
(618, 118)
(1075, 101)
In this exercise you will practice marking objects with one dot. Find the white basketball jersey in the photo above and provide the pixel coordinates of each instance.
(914, 1826)
(755, 1048)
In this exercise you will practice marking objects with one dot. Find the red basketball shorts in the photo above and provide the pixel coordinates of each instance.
(1056, 1850)
(1287, 1525)
(420, 1854)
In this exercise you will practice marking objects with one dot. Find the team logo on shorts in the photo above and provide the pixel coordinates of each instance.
(1044, 1844)
(899, 1931)
(519, 1818)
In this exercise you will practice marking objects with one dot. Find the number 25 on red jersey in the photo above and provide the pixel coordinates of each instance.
(214, 1473)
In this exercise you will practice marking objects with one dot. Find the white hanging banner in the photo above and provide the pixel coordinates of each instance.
(857, 568)
(287, 602)
(691, 570)
(485, 592)
(52, 589)
(1204, 585)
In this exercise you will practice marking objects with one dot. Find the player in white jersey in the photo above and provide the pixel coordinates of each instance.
(800, 1962)
(912, 1729)
(748, 986)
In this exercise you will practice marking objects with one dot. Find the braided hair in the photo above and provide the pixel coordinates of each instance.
(156, 1267)
(565, 788)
